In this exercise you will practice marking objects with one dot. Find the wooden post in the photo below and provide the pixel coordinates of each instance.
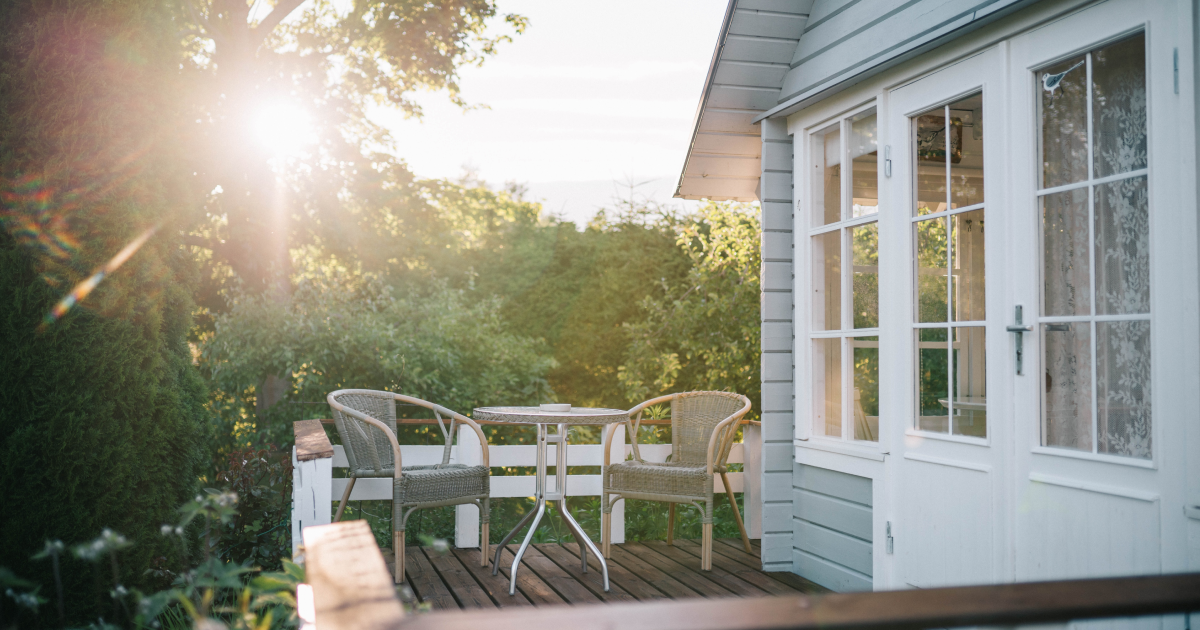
(617, 526)
(752, 479)
(312, 478)
(466, 517)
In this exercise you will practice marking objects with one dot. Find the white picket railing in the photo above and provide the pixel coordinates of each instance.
(314, 489)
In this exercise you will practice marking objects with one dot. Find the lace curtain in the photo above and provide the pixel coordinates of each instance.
(1109, 230)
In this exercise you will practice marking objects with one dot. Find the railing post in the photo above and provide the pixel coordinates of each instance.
(618, 455)
(312, 478)
(752, 479)
(466, 517)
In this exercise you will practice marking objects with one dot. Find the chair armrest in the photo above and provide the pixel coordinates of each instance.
(369, 420)
(458, 417)
(727, 423)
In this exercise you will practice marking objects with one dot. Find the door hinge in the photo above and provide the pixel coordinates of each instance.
(887, 160)
(889, 538)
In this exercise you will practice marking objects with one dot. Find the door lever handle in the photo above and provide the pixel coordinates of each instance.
(1020, 328)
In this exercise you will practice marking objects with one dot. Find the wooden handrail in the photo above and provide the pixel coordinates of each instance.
(350, 582)
(311, 441)
(1004, 604)
(352, 588)
(419, 421)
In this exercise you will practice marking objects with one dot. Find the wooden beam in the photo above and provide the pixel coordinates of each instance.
(1005, 604)
(311, 441)
(350, 582)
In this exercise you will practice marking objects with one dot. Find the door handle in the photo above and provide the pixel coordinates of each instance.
(1020, 328)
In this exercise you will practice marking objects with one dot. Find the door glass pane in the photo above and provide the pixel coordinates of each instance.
(933, 384)
(1067, 350)
(827, 387)
(866, 388)
(827, 281)
(1119, 106)
(930, 142)
(865, 156)
(1067, 286)
(967, 256)
(1063, 89)
(931, 270)
(970, 381)
(966, 165)
(1122, 247)
(827, 178)
(865, 245)
(1123, 388)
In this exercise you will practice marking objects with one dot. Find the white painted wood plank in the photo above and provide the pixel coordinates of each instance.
(311, 489)
(750, 74)
(727, 144)
(777, 25)
(739, 97)
(620, 449)
(720, 189)
(723, 166)
(749, 48)
(466, 517)
(752, 505)
(409, 455)
(729, 121)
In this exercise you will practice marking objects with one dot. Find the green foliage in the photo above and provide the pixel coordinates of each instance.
(702, 332)
(101, 414)
(340, 330)
(260, 533)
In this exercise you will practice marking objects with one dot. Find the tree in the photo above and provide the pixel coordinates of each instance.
(101, 412)
(703, 333)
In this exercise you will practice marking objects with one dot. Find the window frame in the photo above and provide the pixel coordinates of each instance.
(846, 332)
(1089, 184)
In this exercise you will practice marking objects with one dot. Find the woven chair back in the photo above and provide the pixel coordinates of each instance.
(368, 450)
(694, 415)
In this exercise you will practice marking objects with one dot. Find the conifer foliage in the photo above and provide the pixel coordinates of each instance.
(101, 409)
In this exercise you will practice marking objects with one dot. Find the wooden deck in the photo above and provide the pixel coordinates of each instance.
(551, 575)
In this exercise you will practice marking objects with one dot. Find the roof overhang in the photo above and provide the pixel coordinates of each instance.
(754, 49)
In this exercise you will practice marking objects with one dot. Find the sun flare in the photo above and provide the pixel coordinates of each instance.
(284, 128)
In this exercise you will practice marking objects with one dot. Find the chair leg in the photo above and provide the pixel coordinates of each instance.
(670, 523)
(737, 515)
(398, 545)
(706, 548)
(345, 499)
(485, 546)
(605, 533)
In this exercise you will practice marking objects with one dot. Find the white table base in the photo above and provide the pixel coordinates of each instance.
(541, 496)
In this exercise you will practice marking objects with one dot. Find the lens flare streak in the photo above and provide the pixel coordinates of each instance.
(81, 290)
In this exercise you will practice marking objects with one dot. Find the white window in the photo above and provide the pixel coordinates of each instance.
(844, 234)
(1095, 247)
(948, 237)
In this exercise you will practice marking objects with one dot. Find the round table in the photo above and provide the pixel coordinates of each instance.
(544, 420)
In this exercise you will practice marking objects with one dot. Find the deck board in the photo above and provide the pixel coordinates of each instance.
(732, 547)
(551, 575)
(496, 586)
(735, 568)
(620, 576)
(593, 580)
(719, 575)
(461, 583)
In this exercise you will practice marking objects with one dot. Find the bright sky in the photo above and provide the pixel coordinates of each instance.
(593, 95)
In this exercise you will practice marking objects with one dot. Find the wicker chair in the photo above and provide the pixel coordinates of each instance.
(703, 425)
(366, 422)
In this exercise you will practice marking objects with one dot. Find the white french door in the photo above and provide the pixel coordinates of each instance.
(946, 298)
(1108, 286)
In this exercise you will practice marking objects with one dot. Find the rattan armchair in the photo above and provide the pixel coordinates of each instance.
(366, 422)
(703, 425)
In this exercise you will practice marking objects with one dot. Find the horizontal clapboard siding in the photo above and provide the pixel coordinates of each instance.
(844, 38)
(832, 528)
